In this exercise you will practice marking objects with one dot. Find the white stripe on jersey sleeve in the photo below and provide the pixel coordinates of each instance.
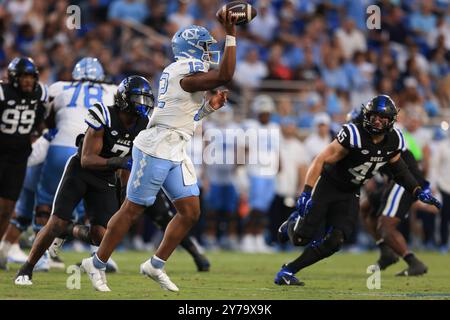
(2, 95)
(401, 140)
(44, 95)
(106, 114)
(351, 134)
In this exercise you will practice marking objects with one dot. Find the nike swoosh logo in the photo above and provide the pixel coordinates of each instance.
(111, 185)
(287, 281)
(389, 152)
(242, 6)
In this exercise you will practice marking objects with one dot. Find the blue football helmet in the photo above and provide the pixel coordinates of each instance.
(88, 69)
(193, 42)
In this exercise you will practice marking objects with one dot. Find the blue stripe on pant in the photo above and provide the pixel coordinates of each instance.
(149, 174)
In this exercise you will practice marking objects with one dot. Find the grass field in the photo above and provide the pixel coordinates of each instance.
(241, 276)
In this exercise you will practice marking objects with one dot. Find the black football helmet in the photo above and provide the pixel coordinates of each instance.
(382, 106)
(20, 66)
(135, 95)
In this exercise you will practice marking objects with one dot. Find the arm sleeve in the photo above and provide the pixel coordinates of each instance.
(403, 176)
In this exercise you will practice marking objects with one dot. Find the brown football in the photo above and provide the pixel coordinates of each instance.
(244, 11)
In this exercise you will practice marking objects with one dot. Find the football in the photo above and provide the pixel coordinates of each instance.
(241, 9)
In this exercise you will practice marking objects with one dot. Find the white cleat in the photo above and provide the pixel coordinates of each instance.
(97, 277)
(159, 276)
(16, 255)
(23, 280)
(43, 264)
(53, 250)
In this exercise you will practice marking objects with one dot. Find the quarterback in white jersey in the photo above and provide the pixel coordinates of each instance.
(69, 103)
(159, 152)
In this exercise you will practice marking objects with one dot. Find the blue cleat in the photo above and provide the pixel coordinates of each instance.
(286, 278)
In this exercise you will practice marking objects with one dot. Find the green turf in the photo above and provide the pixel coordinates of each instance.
(241, 276)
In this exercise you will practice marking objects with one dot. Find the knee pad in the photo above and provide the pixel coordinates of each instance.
(21, 223)
(330, 244)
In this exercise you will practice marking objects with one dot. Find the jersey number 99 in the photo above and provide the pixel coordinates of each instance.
(17, 121)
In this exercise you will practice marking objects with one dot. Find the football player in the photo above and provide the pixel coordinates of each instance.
(89, 174)
(159, 152)
(388, 206)
(22, 111)
(357, 153)
(69, 102)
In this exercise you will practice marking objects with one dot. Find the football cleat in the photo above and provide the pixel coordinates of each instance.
(43, 264)
(56, 263)
(16, 255)
(285, 277)
(97, 276)
(417, 268)
(55, 246)
(158, 275)
(23, 277)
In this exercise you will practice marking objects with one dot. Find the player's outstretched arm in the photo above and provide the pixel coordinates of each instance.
(212, 79)
(331, 154)
(403, 177)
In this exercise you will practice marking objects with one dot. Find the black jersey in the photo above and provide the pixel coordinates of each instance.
(365, 158)
(117, 140)
(20, 114)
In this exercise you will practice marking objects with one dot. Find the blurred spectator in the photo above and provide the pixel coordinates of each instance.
(350, 39)
(132, 10)
(320, 136)
(334, 74)
(251, 71)
(278, 70)
(440, 177)
(264, 25)
(182, 18)
(262, 169)
(18, 9)
(294, 162)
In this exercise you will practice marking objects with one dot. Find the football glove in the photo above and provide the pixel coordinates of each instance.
(425, 196)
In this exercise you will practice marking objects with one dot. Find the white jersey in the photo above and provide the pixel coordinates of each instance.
(172, 124)
(70, 101)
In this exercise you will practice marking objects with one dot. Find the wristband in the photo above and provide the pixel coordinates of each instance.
(307, 188)
(230, 41)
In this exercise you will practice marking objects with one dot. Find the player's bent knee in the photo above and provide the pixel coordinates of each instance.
(331, 243)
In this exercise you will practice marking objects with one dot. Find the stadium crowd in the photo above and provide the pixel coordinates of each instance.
(302, 67)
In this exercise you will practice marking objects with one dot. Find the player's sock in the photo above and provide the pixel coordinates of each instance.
(157, 262)
(26, 268)
(99, 264)
(307, 258)
(410, 258)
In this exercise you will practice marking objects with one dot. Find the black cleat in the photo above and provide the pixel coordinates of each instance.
(417, 268)
(387, 258)
(202, 263)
